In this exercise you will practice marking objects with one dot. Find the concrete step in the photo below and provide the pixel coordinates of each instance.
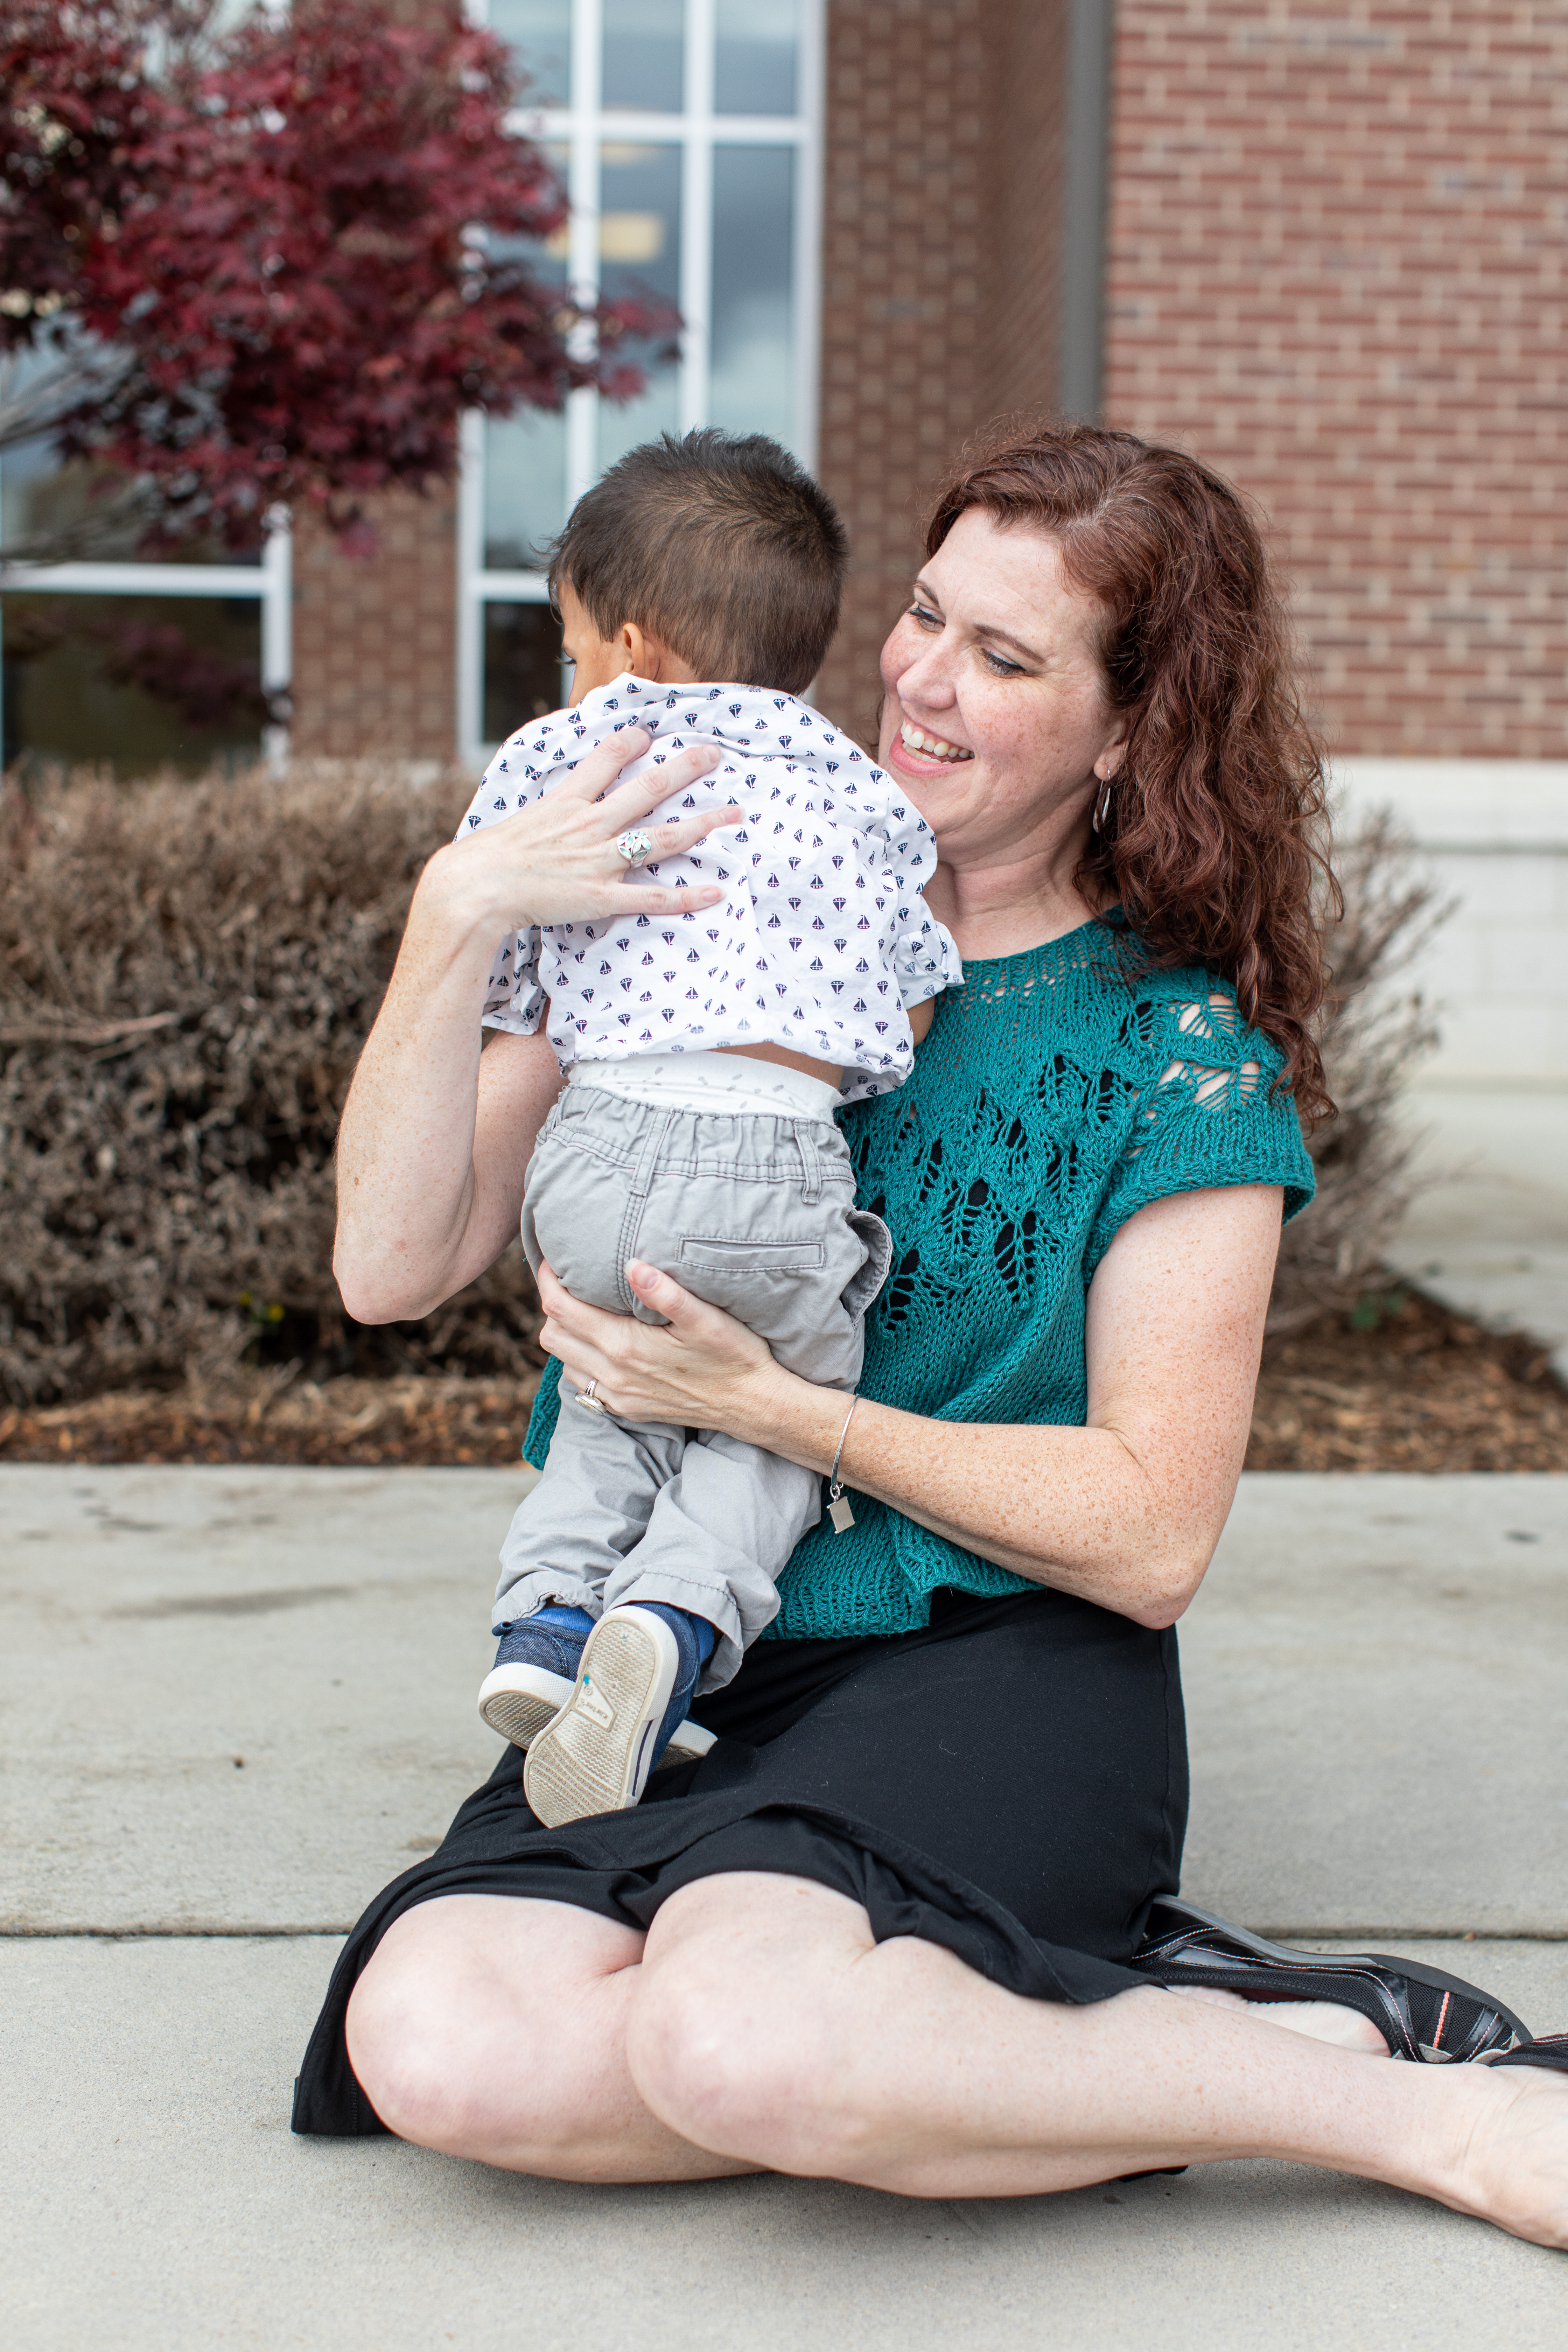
(160, 2201)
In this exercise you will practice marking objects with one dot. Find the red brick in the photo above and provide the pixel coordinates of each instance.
(1335, 273)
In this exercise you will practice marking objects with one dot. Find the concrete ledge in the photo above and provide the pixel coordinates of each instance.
(1376, 1696)
(1495, 835)
(1378, 1709)
(1498, 806)
(160, 2201)
(242, 1700)
(238, 1700)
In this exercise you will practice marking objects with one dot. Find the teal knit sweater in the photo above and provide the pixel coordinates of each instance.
(1054, 1096)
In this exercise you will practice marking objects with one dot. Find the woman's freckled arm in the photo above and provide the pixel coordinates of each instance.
(417, 1222)
(1126, 1510)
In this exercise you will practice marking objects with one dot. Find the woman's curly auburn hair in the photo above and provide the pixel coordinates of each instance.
(1215, 823)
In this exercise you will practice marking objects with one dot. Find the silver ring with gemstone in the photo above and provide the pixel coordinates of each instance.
(588, 1401)
(633, 845)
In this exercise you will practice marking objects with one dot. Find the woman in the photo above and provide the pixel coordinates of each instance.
(886, 1930)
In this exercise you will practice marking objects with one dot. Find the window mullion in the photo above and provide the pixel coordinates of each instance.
(806, 308)
(696, 215)
(470, 583)
(277, 626)
(583, 188)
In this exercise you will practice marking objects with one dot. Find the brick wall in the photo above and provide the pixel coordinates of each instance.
(375, 637)
(1024, 224)
(1335, 271)
(375, 641)
(939, 238)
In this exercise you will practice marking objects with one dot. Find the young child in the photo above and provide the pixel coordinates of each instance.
(705, 1054)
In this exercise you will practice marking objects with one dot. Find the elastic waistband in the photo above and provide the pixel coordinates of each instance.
(728, 1085)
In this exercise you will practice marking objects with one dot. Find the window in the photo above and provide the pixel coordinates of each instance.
(686, 132)
(131, 663)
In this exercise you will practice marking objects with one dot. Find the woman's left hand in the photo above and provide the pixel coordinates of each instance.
(702, 1369)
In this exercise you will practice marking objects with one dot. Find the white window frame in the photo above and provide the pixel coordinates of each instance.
(582, 128)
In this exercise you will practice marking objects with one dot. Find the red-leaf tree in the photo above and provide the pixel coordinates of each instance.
(275, 265)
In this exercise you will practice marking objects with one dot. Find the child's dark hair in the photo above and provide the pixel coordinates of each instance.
(721, 547)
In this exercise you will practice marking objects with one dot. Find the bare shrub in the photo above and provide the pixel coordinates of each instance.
(187, 973)
(1372, 1035)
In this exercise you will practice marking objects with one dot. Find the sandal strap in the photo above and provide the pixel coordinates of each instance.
(1545, 2050)
(1427, 2022)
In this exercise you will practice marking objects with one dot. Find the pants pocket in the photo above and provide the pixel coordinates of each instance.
(737, 1259)
(862, 1287)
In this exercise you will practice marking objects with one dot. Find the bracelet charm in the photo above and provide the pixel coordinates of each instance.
(838, 1510)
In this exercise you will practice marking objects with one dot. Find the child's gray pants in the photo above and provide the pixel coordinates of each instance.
(755, 1214)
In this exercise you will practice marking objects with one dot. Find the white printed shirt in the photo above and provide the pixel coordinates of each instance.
(822, 941)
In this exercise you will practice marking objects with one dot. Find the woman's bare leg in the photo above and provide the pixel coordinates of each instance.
(495, 2028)
(1324, 2021)
(767, 2026)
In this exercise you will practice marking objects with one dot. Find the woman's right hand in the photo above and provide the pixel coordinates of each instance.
(431, 1156)
(556, 861)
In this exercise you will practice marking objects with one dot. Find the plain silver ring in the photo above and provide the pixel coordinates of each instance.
(588, 1401)
(634, 845)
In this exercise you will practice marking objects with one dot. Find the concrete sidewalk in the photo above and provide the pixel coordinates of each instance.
(239, 1700)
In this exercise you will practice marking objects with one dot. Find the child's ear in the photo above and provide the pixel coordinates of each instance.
(646, 656)
(641, 656)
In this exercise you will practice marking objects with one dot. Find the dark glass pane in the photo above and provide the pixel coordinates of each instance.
(523, 675)
(134, 682)
(639, 246)
(540, 31)
(752, 378)
(645, 55)
(757, 56)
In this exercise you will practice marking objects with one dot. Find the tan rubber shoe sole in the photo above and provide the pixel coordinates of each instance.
(519, 1701)
(689, 1743)
(594, 1757)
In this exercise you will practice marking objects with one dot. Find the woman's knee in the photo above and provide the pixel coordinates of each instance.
(737, 2042)
(458, 2056)
(410, 2058)
(479, 2086)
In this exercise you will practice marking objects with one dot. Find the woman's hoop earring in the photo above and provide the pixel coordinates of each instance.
(1101, 808)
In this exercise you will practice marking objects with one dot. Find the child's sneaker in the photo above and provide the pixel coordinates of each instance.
(535, 1668)
(639, 1668)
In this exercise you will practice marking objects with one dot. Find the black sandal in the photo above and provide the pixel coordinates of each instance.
(1421, 2013)
(1546, 2050)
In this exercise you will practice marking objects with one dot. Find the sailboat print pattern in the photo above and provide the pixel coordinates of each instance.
(823, 941)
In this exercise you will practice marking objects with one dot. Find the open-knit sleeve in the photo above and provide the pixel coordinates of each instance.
(1213, 1116)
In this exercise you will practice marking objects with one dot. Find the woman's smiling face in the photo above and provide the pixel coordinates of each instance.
(996, 719)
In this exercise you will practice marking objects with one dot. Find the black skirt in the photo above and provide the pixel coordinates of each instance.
(1010, 1782)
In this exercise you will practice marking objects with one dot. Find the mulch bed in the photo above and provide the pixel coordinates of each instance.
(1398, 1384)
(343, 1421)
(1402, 1383)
